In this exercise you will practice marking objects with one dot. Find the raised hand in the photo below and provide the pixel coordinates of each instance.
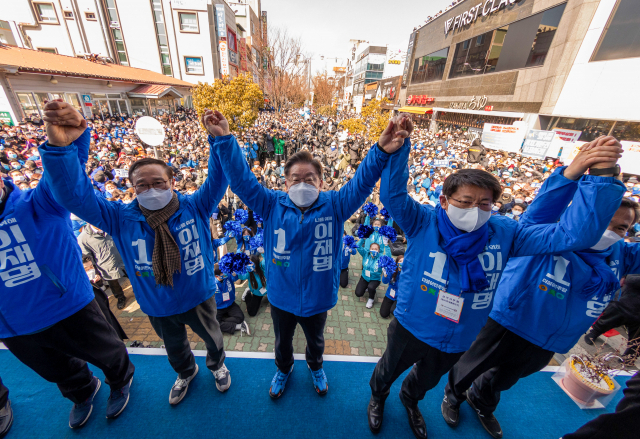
(398, 129)
(603, 152)
(63, 123)
(215, 123)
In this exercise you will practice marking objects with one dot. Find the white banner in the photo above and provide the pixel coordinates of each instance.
(537, 143)
(503, 137)
(630, 160)
(122, 173)
(224, 58)
(441, 163)
(562, 139)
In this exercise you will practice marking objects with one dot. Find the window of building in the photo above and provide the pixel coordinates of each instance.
(116, 33)
(430, 67)
(621, 37)
(28, 104)
(68, 15)
(193, 65)
(163, 41)
(48, 49)
(188, 22)
(524, 43)
(231, 40)
(90, 16)
(591, 128)
(46, 13)
(72, 98)
(627, 131)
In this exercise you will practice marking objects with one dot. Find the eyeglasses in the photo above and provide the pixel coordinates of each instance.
(140, 188)
(470, 204)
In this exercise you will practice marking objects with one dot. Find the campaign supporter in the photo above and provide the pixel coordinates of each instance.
(303, 230)
(163, 237)
(371, 272)
(49, 318)
(347, 252)
(391, 296)
(216, 243)
(457, 253)
(257, 285)
(245, 245)
(376, 237)
(230, 316)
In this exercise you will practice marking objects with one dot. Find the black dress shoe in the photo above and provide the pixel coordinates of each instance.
(489, 422)
(122, 301)
(6, 419)
(375, 412)
(416, 421)
(450, 412)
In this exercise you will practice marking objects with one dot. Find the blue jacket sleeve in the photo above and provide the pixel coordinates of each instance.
(407, 212)
(361, 249)
(73, 190)
(244, 183)
(367, 220)
(353, 194)
(581, 225)
(221, 241)
(553, 198)
(631, 262)
(215, 185)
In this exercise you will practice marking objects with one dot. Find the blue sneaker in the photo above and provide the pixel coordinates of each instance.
(80, 412)
(118, 400)
(319, 381)
(278, 383)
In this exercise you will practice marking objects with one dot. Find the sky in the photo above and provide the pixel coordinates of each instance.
(326, 26)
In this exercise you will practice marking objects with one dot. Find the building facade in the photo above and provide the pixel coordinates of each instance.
(544, 63)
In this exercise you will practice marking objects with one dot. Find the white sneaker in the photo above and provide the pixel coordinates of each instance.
(244, 329)
(223, 378)
(370, 303)
(179, 389)
(244, 295)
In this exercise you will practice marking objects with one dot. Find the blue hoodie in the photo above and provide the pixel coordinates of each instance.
(540, 298)
(302, 250)
(346, 256)
(135, 239)
(426, 263)
(41, 273)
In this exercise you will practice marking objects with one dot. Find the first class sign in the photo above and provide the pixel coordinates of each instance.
(483, 9)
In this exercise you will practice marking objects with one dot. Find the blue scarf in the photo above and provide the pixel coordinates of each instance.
(603, 281)
(464, 248)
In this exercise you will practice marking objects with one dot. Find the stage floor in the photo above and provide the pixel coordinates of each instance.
(534, 408)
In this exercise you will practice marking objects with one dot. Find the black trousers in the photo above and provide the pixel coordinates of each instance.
(229, 317)
(344, 277)
(494, 363)
(202, 320)
(387, 307)
(59, 353)
(4, 394)
(284, 326)
(616, 315)
(103, 302)
(403, 351)
(253, 304)
(624, 423)
(367, 285)
(116, 289)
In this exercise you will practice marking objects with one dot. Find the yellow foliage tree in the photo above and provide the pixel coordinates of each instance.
(354, 125)
(327, 111)
(372, 120)
(238, 99)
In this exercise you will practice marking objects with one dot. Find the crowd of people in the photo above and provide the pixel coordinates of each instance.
(436, 217)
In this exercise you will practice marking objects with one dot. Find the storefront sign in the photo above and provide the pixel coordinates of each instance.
(503, 137)
(194, 65)
(224, 58)
(420, 100)
(481, 9)
(405, 73)
(563, 140)
(220, 21)
(395, 61)
(86, 100)
(6, 119)
(233, 57)
(242, 48)
(476, 103)
(537, 143)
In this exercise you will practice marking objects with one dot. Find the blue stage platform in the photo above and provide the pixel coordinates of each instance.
(534, 408)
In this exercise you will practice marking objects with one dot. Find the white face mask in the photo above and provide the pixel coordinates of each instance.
(155, 199)
(609, 237)
(303, 194)
(467, 219)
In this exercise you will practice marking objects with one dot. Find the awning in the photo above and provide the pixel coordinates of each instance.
(152, 91)
(415, 110)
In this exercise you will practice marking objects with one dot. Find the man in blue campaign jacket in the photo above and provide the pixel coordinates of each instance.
(165, 242)
(453, 263)
(48, 316)
(543, 305)
(303, 231)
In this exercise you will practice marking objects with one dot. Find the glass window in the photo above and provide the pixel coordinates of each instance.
(591, 129)
(473, 60)
(627, 131)
(544, 36)
(188, 22)
(72, 98)
(161, 34)
(430, 67)
(48, 49)
(40, 98)
(116, 33)
(193, 65)
(28, 104)
(621, 38)
(46, 13)
(231, 40)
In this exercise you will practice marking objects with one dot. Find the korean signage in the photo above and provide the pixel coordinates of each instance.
(264, 28)
(537, 143)
(242, 48)
(476, 103)
(194, 65)
(233, 57)
(405, 73)
(86, 100)
(441, 163)
(224, 58)
(419, 100)
(221, 21)
(395, 61)
(482, 9)
(503, 137)
(563, 140)
(6, 119)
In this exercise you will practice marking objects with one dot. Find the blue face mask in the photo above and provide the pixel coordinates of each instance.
(246, 237)
(400, 265)
(376, 228)
(374, 253)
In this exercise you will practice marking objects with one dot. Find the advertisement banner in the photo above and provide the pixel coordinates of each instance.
(122, 173)
(194, 65)
(630, 160)
(407, 62)
(233, 57)
(242, 48)
(503, 137)
(224, 58)
(562, 139)
(6, 119)
(537, 143)
(220, 21)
